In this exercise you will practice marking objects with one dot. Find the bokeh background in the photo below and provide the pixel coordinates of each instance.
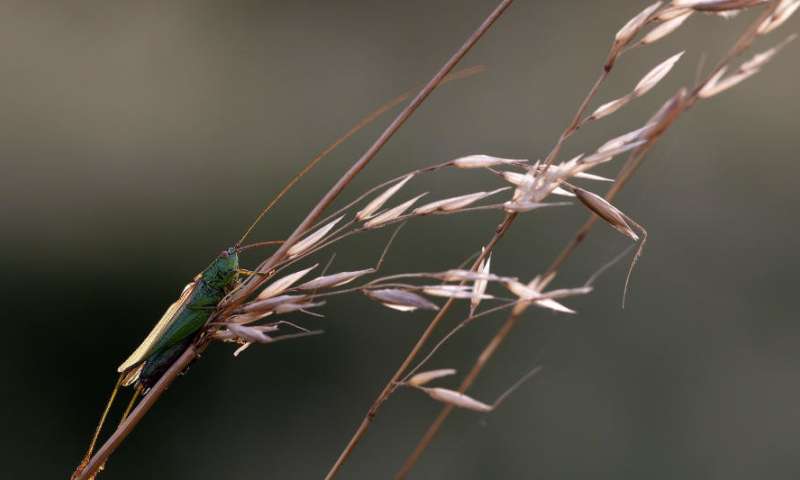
(138, 139)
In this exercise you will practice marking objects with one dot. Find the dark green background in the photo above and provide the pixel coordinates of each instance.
(139, 138)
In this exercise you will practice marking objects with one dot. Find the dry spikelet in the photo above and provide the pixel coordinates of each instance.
(457, 275)
(611, 214)
(591, 176)
(609, 151)
(290, 307)
(245, 318)
(268, 305)
(523, 206)
(401, 300)
(561, 192)
(785, 10)
(624, 139)
(392, 213)
(456, 399)
(480, 285)
(381, 199)
(307, 243)
(423, 378)
(630, 29)
(607, 109)
(250, 334)
(717, 5)
(669, 12)
(485, 161)
(455, 203)
(531, 294)
(718, 86)
(452, 291)
(665, 28)
(334, 280)
(282, 284)
(656, 75)
(518, 179)
(665, 115)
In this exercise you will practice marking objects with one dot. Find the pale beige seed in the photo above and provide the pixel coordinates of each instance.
(665, 28)
(669, 12)
(530, 294)
(480, 285)
(630, 29)
(607, 109)
(717, 5)
(655, 75)
(611, 214)
(448, 291)
(522, 206)
(334, 280)
(485, 161)
(605, 153)
(290, 307)
(456, 399)
(779, 17)
(401, 300)
(282, 284)
(307, 243)
(519, 179)
(624, 139)
(375, 205)
(392, 213)
(268, 305)
(423, 378)
(455, 203)
(250, 334)
(591, 176)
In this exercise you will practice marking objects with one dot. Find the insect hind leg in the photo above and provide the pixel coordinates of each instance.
(93, 442)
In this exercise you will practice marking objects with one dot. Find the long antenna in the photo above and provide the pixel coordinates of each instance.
(460, 74)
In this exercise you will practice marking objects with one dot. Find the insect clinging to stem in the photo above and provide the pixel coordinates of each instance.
(184, 321)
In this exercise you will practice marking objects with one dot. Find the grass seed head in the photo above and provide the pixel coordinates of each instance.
(423, 378)
(401, 300)
(456, 399)
(611, 214)
(375, 205)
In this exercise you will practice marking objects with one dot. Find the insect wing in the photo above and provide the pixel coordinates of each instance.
(146, 347)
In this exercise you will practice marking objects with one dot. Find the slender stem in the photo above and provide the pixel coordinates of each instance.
(136, 415)
(255, 281)
(392, 383)
(575, 124)
(433, 429)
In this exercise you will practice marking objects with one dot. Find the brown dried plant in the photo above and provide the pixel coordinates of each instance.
(284, 283)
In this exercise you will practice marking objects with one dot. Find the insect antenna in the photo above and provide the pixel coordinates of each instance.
(460, 74)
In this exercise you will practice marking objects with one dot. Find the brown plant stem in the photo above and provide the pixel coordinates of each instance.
(124, 429)
(130, 422)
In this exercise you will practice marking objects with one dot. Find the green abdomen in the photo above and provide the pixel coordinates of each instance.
(177, 338)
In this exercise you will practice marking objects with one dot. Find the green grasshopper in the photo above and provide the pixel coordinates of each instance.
(185, 319)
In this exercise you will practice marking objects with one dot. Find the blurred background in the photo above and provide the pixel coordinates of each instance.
(138, 139)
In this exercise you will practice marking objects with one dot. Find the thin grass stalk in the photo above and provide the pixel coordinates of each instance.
(125, 427)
